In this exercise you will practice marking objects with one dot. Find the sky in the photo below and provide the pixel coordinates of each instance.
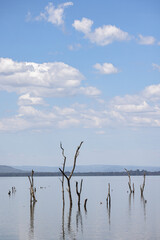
(82, 70)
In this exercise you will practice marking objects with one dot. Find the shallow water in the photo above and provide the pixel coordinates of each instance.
(129, 217)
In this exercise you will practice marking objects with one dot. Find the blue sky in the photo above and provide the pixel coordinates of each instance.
(80, 70)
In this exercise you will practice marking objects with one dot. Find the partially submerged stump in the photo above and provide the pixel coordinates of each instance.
(79, 192)
(129, 183)
(142, 187)
(32, 188)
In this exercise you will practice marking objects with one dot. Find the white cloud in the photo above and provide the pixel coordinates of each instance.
(27, 99)
(152, 92)
(156, 66)
(89, 91)
(55, 79)
(54, 15)
(141, 110)
(101, 36)
(105, 68)
(146, 40)
(132, 107)
(83, 26)
(33, 82)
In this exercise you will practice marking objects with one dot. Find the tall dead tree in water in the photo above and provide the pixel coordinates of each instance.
(129, 183)
(79, 192)
(71, 174)
(142, 187)
(69, 178)
(63, 169)
(32, 188)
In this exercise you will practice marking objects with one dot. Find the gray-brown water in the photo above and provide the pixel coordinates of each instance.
(129, 218)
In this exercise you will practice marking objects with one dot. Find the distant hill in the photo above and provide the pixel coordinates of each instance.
(88, 168)
(8, 169)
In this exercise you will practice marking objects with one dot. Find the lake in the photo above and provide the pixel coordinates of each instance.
(130, 216)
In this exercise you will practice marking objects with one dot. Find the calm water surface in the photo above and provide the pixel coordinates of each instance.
(129, 218)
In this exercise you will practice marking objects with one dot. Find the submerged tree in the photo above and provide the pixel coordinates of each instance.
(63, 169)
(32, 188)
(79, 192)
(142, 187)
(68, 178)
(129, 183)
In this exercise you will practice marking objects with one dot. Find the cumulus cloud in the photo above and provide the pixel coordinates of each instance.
(106, 68)
(55, 79)
(33, 82)
(140, 110)
(152, 92)
(101, 36)
(146, 40)
(54, 15)
(27, 99)
(132, 107)
(83, 26)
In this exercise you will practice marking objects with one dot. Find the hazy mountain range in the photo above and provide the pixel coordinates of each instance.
(79, 168)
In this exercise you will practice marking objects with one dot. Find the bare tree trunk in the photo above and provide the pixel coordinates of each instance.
(71, 174)
(63, 169)
(142, 187)
(79, 192)
(32, 189)
(129, 183)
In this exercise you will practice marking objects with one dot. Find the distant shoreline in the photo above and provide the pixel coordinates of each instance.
(58, 174)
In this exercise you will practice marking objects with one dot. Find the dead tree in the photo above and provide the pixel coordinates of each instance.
(108, 197)
(63, 169)
(79, 192)
(32, 189)
(142, 187)
(68, 178)
(129, 183)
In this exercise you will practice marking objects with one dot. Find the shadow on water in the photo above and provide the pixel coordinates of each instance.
(143, 201)
(71, 233)
(109, 213)
(68, 230)
(130, 199)
(31, 229)
(79, 221)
